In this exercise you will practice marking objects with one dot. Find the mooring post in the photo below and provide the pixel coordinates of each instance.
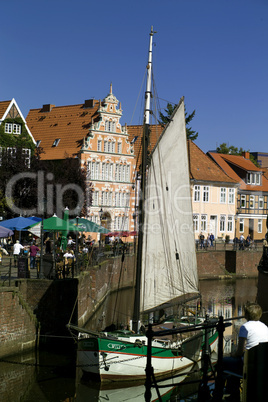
(219, 382)
(149, 369)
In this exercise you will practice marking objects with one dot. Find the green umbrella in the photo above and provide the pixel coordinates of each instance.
(57, 225)
(85, 225)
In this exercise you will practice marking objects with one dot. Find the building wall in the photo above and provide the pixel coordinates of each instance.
(214, 207)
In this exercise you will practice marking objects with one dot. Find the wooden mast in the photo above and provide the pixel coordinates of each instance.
(145, 142)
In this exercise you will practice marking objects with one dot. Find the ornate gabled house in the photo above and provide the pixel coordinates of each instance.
(213, 196)
(252, 193)
(93, 133)
(14, 131)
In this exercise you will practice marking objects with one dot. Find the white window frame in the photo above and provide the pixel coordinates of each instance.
(16, 128)
(259, 228)
(241, 225)
(99, 145)
(258, 179)
(222, 223)
(230, 223)
(196, 193)
(203, 222)
(243, 201)
(196, 222)
(261, 202)
(119, 147)
(252, 201)
(205, 193)
(231, 196)
(223, 195)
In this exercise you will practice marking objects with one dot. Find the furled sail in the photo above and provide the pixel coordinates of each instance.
(169, 268)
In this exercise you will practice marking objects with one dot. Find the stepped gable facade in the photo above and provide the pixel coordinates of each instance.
(214, 196)
(92, 132)
(252, 193)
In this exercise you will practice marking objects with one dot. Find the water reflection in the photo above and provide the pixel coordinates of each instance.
(53, 377)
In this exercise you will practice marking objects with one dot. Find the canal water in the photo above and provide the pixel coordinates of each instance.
(54, 377)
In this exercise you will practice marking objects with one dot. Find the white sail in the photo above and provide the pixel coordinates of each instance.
(169, 268)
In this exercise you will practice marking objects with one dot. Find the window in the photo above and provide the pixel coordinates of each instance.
(261, 203)
(259, 225)
(241, 225)
(38, 142)
(119, 147)
(105, 146)
(196, 222)
(231, 196)
(205, 194)
(99, 145)
(196, 193)
(123, 172)
(113, 147)
(258, 179)
(16, 129)
(95, 198)
(203, 223)
(12, 128)
(243, 201)
(251, 201)
(254, 178)
(8, 128)
(128, 173)
(56, 142)
(230, 223)
(111, 171)
(27, 156)
(223, 195)
(222, 223)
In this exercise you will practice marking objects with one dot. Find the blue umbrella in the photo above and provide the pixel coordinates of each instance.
(19, 223)
(5, 232)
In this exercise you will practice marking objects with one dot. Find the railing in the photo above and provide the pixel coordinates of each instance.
(219, 245)
(218, 378)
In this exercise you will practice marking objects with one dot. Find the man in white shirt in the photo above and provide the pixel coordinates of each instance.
(251, 334)
(16, 251)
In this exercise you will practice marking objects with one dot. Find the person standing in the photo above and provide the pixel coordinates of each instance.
(251, 334)
(202, 240)
(212, 238)
(16, 251)
(33, 251)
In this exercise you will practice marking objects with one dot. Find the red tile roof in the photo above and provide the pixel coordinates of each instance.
(70, 124)
(226, 161)
(3, 107)
(202, 167)
(133, 131)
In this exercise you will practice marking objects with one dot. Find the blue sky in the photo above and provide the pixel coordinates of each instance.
(212, 52)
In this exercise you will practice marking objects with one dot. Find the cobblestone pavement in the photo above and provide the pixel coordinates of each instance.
(9, 272)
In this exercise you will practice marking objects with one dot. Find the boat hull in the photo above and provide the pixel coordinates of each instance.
(117, 360)
(113, 359)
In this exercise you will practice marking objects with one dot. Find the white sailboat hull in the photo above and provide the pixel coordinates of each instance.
(122, 360)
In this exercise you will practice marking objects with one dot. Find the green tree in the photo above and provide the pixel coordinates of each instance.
(165, 118)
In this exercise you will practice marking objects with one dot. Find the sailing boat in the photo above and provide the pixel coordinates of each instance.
(166, 272)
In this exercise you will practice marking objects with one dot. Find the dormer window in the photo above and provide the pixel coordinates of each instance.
(254, 178)
(56, 142)
(12, 128)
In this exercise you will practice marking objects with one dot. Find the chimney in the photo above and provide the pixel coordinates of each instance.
(47, 108)
(89, 103)
(246, 154)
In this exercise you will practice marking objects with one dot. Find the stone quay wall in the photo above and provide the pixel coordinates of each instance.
(39, 309)
(18, 324)
(221, 264)
(94, 284)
